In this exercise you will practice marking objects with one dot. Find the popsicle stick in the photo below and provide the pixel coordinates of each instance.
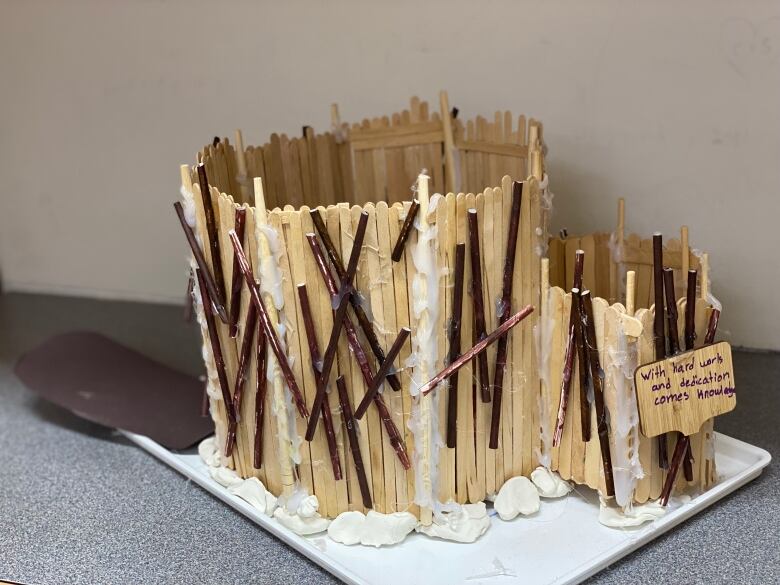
(588, 324)
(401, 401)
(645, 354)
(311, 459)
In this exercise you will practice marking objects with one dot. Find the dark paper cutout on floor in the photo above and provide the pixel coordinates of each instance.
(105, 382)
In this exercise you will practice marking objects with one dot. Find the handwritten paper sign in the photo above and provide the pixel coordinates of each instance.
(682, 392)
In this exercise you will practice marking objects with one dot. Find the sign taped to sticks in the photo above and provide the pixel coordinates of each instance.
(681, 392)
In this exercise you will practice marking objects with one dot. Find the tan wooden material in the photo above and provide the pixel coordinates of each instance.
(370, 166)
(681, 392)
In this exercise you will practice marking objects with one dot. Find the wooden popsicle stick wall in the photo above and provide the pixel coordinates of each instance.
(370, 167)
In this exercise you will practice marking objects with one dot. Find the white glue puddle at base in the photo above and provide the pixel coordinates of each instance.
(562, 543)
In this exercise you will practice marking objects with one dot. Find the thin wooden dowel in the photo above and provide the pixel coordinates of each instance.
(630, 293)
(480, 328)
(261, 390)
(481, 346)
(596, 373)
(454, 343)
(219, 362)
(234, 310)
(211, 230)
(200, 260)
(363, 321)
(384, 369)
(338, 322)
(659, 337)
(403, 235)
(354, 443)
(316, 365)
(568, 363)
(268, 327)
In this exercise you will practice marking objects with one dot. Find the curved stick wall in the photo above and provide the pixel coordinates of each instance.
(370, 167)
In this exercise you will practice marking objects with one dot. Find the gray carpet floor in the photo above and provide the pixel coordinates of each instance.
(79, 504)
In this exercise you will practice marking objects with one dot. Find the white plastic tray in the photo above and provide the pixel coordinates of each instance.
(562, 543)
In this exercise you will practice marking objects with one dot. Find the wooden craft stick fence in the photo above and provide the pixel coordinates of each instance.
(313, 195)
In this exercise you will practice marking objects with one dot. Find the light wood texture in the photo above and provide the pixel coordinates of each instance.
(681, 392)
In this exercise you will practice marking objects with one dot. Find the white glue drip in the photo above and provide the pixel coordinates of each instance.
(466, 523)
(549, 484)
(543, 338)
(631, 516)
(373, 529)
(188, 204)
(423, 421)
(517, 496)
(626, 467)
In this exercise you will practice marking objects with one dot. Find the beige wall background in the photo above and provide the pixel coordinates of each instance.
(674, 106)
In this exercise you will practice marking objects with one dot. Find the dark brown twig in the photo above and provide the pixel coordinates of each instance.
(504, 311)
(583, 371)
(200, 260)
(588, 326)
(244, 357)
(219, 362)
(454, 343)
(671, 312)
(211, 229)
(568, 363)
(384, 369)
(268, 327)
(674, 348)
(360, 357)
(690, 310)
(261, 388)
(481, 346)
(316, 364)
(363, 321)
(480, 329)
(354, 443)
(712, 327)
(338, 321)
(658, 327)
(683, 444)
(188, 299)
(403, 235)
(235, 285)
